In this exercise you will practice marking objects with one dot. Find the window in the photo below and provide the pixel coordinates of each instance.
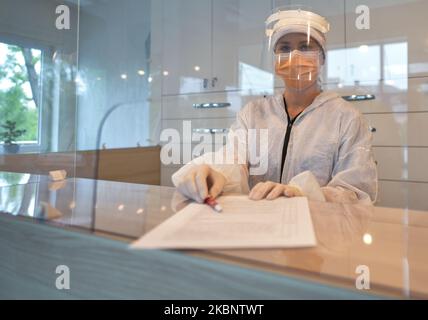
(372, 63)
(20, 91)
(348, 65)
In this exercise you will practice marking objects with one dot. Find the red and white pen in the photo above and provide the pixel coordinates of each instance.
(213, 204)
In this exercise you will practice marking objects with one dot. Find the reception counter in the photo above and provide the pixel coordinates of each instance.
(86, 226)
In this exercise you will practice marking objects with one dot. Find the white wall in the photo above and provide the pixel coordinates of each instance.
(32, 23)
(34, 20)
(114, 41)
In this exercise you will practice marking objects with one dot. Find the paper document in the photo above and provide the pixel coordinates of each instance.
(244, 223)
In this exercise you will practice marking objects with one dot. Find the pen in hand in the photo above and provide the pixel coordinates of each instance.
(213, 204)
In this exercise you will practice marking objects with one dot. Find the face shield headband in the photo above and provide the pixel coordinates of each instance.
(281, 23)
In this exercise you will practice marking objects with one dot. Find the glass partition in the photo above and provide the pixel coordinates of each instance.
(90, 86)
(38, 88)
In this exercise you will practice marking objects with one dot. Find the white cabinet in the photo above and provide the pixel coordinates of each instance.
(220, 45)
(186, 48)
(395, 45)
(402, 163)
(401, 129)
(403, 194)
(403, 95)
(390, 61)
(214, 45)
(239, 51)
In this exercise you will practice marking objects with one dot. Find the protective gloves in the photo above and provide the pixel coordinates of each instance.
(200, 182)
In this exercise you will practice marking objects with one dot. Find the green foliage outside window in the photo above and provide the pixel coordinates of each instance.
(20, 90)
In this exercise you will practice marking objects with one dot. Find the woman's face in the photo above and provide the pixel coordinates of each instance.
(296, 41)
(298, 60)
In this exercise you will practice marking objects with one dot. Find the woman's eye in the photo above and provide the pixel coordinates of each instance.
(304, 47)
(282, 49)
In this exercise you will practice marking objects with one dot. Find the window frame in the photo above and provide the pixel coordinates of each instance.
(41, 144)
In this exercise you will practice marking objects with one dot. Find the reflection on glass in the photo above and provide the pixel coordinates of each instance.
(395, 63)
(368, 63)
(19, 199)
(350, 65)
(125, 125)
(11, 178)
(38, 68)
(115, 61)
(254, 81)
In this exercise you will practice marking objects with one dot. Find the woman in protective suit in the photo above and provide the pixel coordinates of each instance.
(315, 143)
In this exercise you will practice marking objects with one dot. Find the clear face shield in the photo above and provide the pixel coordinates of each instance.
(297, 41)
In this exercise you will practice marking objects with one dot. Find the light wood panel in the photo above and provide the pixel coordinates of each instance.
(138, 165)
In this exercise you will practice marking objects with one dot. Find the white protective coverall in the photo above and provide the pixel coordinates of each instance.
(329, 154)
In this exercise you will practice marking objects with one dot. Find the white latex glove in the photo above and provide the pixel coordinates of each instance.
(272, 190)
(309, 186)
(200, 182)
